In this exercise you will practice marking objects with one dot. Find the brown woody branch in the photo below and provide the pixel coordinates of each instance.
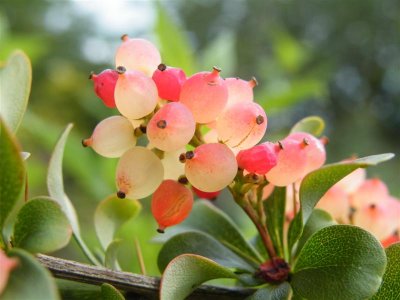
(136, 286)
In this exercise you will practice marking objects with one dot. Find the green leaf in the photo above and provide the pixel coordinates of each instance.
(111, 256)
(186, 272)
(55, 187)
(272, 292)
(390, 288)
(204, 245)
(15, 83)
(12, 175)
(274, 208)
(207, 218)
(339, 262)
(179, 53)
(108, 292)
(313, 125)
(30, 280)
(111, 214)
(73, 290)
(319, 219)
(41, 226)
(318, 182)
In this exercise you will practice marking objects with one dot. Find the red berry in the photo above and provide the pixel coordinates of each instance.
(206, 195)
(258, 159)
(104, 86)
(169, 82)
(171, 204)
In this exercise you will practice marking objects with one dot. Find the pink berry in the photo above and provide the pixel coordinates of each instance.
(169, 82)
(172, 127)
(135, 94)
(242, 125)
(291, 165)
(371, 191)
(258, 159)
(205, 94)
(314, 149)
(210, 167)
(138, 54)
(240, 90)
(379, 219)
(104, 86)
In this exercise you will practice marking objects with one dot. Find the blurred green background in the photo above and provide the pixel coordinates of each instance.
(336, 59)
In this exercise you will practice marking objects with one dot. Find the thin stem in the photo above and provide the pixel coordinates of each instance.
(266, 239)
(140, 257)
(86, 251)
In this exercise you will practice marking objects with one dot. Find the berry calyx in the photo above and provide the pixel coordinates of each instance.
(274, 271)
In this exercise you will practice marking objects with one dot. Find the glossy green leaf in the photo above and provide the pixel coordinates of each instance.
(204, 245)
(272, 292)
(339, 262)
(186, 272)
(55, 186)
(12, 173)
(108, 292)
(111, 255)
(207, 218)
(111, 214)
(179, 53)
(390, 288)
(30, 280)
(41, 226)
(318, 182)
(313, 125)
(274, 208)
(15, 86)
(319, 219)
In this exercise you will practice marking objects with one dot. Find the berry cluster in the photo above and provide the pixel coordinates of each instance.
(365, 203)
(201, 131)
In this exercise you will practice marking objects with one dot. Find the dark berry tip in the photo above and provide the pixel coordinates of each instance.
(121, 195)
(281, 145)
(183, 180)
(182, 157)
(124, 37)
(92, 75)
(162, 67)
(162, 124)
(217, 69)
(159, 230)
(306, 142)
(189, 155)
(121, 70)
(143, 128)
(84, 143)
(259, 119)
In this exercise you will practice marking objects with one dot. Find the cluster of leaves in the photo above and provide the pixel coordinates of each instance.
(328, 261)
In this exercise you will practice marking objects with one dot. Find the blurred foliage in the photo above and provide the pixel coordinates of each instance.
(336, 59)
